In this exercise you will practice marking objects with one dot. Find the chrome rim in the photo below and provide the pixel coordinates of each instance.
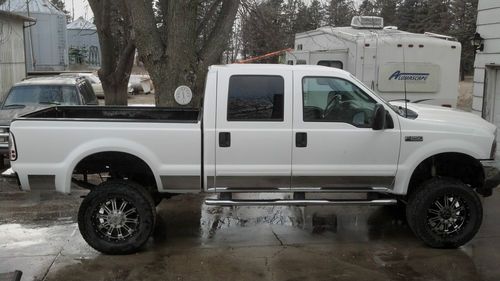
(116, 219)
(447, 215)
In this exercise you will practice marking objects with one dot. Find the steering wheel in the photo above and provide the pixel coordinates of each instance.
(332, 104)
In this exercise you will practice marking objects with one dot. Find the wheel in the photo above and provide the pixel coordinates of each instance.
(444, 213)
(117, 217)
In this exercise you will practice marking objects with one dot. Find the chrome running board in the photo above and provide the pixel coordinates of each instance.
(291, 202)
(302, 189)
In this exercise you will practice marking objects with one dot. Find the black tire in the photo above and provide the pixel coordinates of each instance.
(117, 217)
(455, 223)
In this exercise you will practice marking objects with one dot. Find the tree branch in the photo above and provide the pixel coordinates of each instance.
(148, 38)
(210, 14)
(217, 40)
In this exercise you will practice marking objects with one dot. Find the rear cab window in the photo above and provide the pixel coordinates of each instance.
(87, 93)
(256, 98)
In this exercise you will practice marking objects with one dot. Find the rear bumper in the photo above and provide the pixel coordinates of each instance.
(492, 177)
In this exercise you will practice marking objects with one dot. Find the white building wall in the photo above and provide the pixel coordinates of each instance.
(488, 26)
(12, 60)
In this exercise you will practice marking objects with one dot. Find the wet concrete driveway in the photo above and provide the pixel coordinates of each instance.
(39, 236)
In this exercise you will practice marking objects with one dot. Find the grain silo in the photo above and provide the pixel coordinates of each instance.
(46, 42)
(83, 43)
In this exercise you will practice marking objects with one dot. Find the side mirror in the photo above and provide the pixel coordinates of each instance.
(379, 117)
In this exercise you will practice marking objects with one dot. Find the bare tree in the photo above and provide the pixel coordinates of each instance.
(117, 48)
(178, 39)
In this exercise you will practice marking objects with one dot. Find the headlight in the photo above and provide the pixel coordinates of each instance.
(12, 148)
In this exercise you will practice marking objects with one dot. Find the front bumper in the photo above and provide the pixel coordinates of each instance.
(492, 177)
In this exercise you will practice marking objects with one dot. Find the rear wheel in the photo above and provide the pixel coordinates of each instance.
(117, 218)
(444, 213)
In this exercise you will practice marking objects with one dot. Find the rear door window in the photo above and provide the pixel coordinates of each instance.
(256, 98)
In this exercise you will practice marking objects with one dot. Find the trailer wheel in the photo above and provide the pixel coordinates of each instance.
(444, 213)
(117, 218)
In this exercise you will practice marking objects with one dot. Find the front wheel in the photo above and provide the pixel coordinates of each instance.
(117, 218)
(444, 213)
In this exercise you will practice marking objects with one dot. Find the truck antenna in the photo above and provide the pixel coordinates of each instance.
(404, 81)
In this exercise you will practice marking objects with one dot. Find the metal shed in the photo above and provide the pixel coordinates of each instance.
(12, 58)
(83, 40)
(46, 42)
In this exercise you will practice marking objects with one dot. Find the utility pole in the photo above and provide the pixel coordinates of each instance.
(73, 10)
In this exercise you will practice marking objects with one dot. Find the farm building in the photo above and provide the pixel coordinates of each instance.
(486, 92)
(46, 46)
(12, 61)
(83, 43)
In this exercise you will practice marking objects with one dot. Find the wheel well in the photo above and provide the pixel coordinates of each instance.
(454, 165)
(117, 165)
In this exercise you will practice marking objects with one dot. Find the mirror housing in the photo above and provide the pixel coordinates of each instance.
(379, 117)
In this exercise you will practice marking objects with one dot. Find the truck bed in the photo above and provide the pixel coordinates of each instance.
(117, 113)
(53, 141)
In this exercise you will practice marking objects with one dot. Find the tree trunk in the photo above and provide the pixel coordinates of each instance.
(117, 48)
(114, 92)
(179, 58)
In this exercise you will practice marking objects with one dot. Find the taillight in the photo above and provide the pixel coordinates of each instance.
(12, 148)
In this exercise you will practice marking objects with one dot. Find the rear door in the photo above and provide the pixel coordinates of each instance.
(253, 129)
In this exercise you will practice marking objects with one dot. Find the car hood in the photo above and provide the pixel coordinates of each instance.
(450, 117)
(7, 115)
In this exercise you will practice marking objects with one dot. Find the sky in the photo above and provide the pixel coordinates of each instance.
(82, 8)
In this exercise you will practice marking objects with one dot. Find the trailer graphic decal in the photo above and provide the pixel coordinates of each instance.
(398, 75)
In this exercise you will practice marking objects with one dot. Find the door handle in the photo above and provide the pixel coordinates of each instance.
(224, 139)
(301, 139)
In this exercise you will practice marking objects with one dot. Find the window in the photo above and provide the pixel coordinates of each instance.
(255, 98)
(42, 94)
(87, 93)
(332, 63)
(329, 99)
(299, 47)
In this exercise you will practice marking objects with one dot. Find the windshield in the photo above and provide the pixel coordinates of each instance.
(42, 94)
(401, 111)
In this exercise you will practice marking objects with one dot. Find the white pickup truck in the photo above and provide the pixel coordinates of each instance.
(263, 128)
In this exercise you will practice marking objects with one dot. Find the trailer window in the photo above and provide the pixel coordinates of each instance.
(331, 99)
(332, 63)
(255, 98)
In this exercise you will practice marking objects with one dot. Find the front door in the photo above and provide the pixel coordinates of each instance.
(253, 130)
(334, 144)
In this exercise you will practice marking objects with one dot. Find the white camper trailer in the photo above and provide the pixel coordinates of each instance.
(396, 64)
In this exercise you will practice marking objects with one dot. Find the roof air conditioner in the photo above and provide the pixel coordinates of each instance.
(367, 22)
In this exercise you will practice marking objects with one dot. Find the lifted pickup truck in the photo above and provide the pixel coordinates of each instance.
(263, 128)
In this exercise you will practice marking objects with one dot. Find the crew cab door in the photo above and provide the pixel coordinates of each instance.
(253, 129)
(334, 144)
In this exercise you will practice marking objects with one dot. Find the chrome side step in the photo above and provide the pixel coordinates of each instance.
(306, 202)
